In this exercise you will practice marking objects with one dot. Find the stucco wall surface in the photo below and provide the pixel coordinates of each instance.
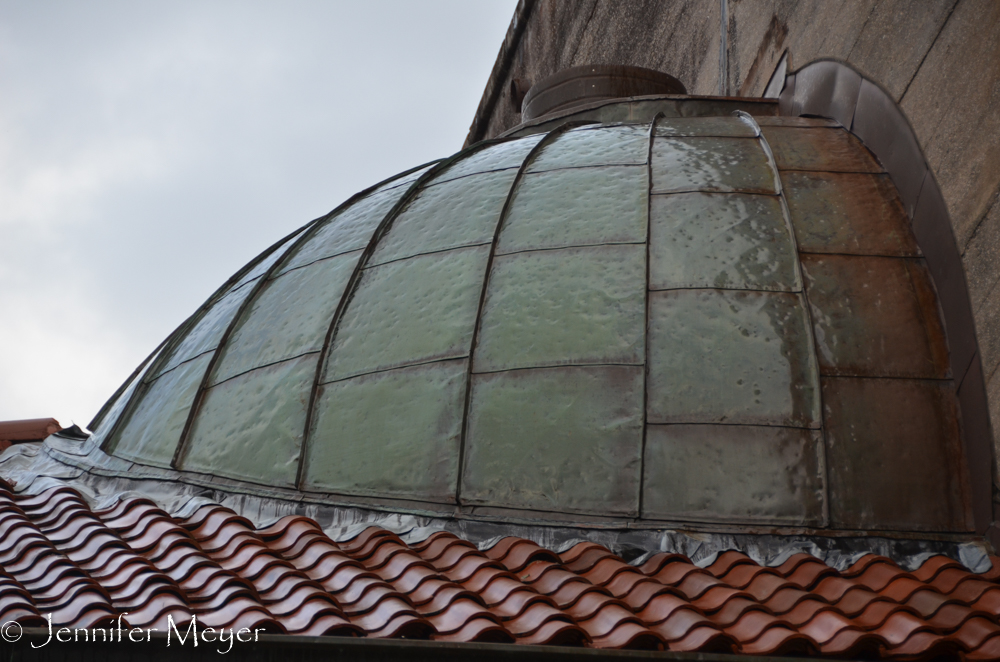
(938, 59)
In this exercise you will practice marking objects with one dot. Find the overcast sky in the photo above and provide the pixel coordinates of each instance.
(148, 150)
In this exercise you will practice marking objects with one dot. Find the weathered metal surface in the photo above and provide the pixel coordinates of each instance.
(895, 455)
(264, 264)
(558, 307)
(250, 427)
(972, 399)
(205, 335)
(643, 110)
(394, 433)
(875, 317)
(827, 88)
(119, 403)
(456, 213)
(720, 240)
(732, 127)
(720, 356)
(880, 123)
(419, 309)
(827, 150)
(347, 231)
(711, 164)
(729, 338)
(508, 154)
(580, 85)
(805, 122)
(153, 427)
(574, 444)
(937, 240)
(577, 207)
(850, 213)
(288, 318)
(734, 473)
(611, 145)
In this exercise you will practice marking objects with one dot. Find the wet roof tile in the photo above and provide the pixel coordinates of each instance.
(85, 567)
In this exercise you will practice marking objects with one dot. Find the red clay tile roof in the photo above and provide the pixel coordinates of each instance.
(85, 567)
(28, 429)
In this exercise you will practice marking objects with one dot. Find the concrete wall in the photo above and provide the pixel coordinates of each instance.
(938, 59)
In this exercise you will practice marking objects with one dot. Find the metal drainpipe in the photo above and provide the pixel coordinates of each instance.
(724, 48)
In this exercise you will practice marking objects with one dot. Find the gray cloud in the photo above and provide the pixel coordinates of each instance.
(147, 151)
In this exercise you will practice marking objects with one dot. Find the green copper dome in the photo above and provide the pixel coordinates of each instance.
(684, 319)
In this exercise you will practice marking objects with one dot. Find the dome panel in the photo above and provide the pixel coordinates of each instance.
(250, 427)
(858, 214)
(891, 442)
(577, 207)
(712, 164)
(158, 415)
(391, 434)
(410, 311)
(574, 444)
(263, 263)
(590, 146)
(567, 306)
(349, 230)
(719, 127)
(818, 149)
(875, 317)
(721, 240)
(768, 475)
(508, 154)
(207, 332)
(718, 356)
(456, 213)
(289, 317)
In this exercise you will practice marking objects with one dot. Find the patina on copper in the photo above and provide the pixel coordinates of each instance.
(595, 82)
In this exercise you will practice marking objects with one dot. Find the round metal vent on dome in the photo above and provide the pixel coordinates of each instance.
(683, 319)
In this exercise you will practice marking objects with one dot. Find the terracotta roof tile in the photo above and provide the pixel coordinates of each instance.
(86, 567)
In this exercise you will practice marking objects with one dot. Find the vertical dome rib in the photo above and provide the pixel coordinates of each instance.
(380, 232)
(562, 317)
(304, 235)
(110, 437)
(529, 157)
(825, 521)
(728, 335)
(645, 366)
(119, 395)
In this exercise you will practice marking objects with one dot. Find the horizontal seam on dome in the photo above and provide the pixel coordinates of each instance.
(309, 264)
(562, 248)
(725, 289)
(262, 366)
(397, 367)
(407, 257)
(560, 365)
(819, 427)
